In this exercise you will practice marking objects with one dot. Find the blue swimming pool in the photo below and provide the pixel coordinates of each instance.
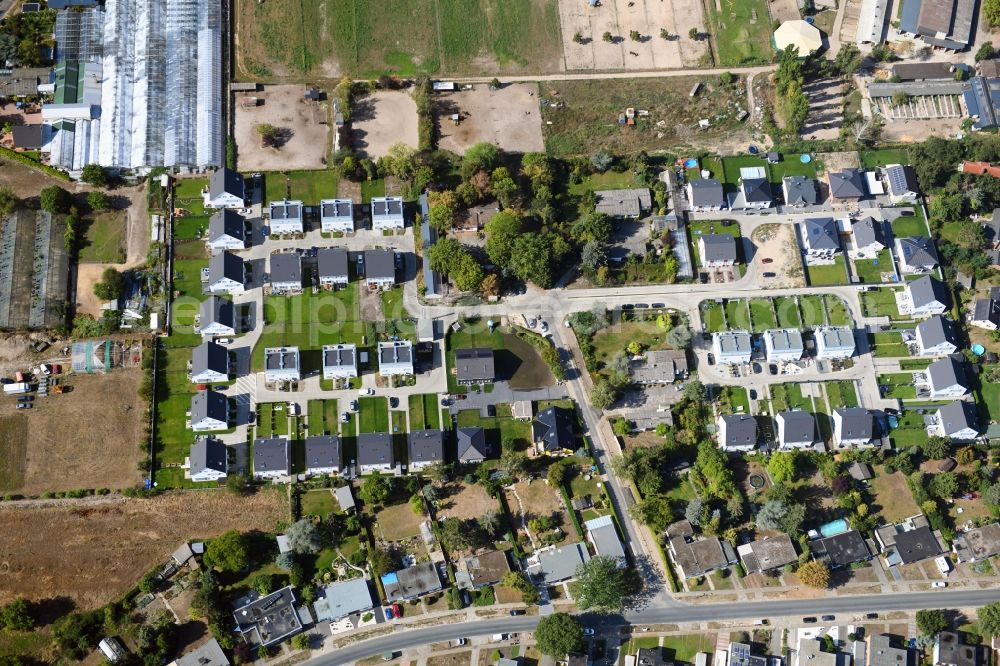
(834, 527)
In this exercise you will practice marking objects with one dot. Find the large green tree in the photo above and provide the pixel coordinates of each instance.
(502, 232)
(94, 174)
(480, 157)
(532, 259)
(991, 12)
(375, 489)
(17, 615)
(111, 285)
(227, 552)
(989, 618)
(305, 536)
(603, 585)
(559, 634)
(55, 200)
(452, 259)
(931, 622)
(8, 201)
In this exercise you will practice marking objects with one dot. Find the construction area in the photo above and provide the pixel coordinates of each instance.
(34, 271)
(507, 117)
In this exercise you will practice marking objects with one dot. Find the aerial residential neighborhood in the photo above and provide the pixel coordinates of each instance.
(537, 333)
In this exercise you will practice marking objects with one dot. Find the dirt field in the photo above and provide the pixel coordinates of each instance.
(93, 553)
(466, 501)
(645, 16)
(106, 420)
(508, 118)
(777, 241)
(537, 499)
(284, 108)
(382, 119)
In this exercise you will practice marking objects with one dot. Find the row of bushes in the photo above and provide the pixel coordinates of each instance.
(546, 349)
(426, 126)
(34, 164)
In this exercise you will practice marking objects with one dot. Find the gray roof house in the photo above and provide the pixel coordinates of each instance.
(472, 446)
(375, 452)
(271, 457)
(208, 460)
(783, 344)
(937, 336)
(425, 448)
(882, 652)
(282, 364)
(226, 274)
(387, 213)
(902, 183)
(474, 365)
(269, 619)
(323, 454)
(706, 194)
(209, 411)
(796, 430)
(623, 203)
(209, 363)
(286, 217)
(226, 231)
(208, 654)
(345, 498)
(664, 366)
(853, 426)
(380, 268)
(732, 347)
(601, 532)
(286, 272)
(834, 342)
(846, 185)
(841, 550)
(925, 296)
(821, 237)
(754, 193)
(225, 190)
(216, 317)
(336, 215)
(552, 430)
(717, 250)
(395, 358)
(946, 378)
(916, 254)
(767, 554)
(696, 558)
(737, 432)
(558, 564)
(344, 598)
(340, 361)
(957, 421)
(411, 582)
(333, 267)
(799, 191)
(986, 314)
(868, 236)
(950, 650)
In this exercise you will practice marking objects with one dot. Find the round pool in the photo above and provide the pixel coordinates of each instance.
(805, 158)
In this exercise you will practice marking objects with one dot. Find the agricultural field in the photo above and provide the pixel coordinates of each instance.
(741, 31)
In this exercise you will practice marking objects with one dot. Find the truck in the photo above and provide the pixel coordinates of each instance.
(16, 388)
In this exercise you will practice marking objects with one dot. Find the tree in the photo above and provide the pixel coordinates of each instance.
(301, 642)
(482, 156)
(931, 622)
(111, 286)
(452, 259)
(94, 174)
(490, 285)
(814, 574)
(695, 391)
(502, 233)
(985, 52)
(513, 463)
(238, 484)
(602, 585)
(269, 134)
(848, 59)
(665, 34)
(602, 160)
(8, 201)
(603, 395)
(227, 552)
(679, 337)
(55, 200)
(577, 38)
(559, 634)
(443, 207)
(944, 485)
(98, 201)
(991, 11)
(621, 426)
(533, 259)
(375, 489)
(503, 186)
(305, 536)
(694, 34)
(694, 511)
(726, 78)
(592, 226)
(653, 511)
(936, 447)
(17, 616)
(400, 161)
(771, 514)
(901, 98)
(516, 580)
(782, 466)
(593, 256)
(989, 618)
(991, 496)
(635, 36)
(965, 455)
(556, 474)
(285, 561)
(608, 38)
(489, 522)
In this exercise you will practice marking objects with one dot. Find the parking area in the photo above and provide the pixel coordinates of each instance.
(507, 117)
(381, 119)
(303, 126)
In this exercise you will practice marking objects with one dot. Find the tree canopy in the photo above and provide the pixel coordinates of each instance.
(305, 536)
(452, 259)
(8, 201)
(989, 618)
(931, 622)
(375, 489)
(94, 174)
(602, 585)
(111, 285)
(814, 574)
(559, 634)
(55, 200)
(227, 552)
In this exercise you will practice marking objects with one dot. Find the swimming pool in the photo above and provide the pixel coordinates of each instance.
(834, 527)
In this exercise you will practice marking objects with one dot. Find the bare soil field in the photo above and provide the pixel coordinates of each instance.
(92, 554)
(507, 117)
(87, 438)
(382, 119)
(536, 499)
(466, 501)
(306, 143)
(777, 242)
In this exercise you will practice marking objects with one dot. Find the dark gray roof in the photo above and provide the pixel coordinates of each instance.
(881, 652)
(841, 549)
(936, 330)
(474, 365)
(322, 451)
(916, 545)
(957, 416)
(217, 310)
(706, 192)
(918, 251)
(28, 137)
(867, 231)
(271, 618)
(209, 654)
(208, 453)
(209, 356)
(799, 426)
(335, 356)
(209, 404)
(395, 353)
(920, 71)
(901, 178)
(756, 190)
(65, 4)
(225, 265)
(425, 446)
(375, 448)
(270, 455)
(553, 427)
(281, 358)
(380, 264)
(286, 267)
(332, 262)
(741, 430)
(336, 208)
(624, 202)
(927, 290)
(947, 372)
(285, 210)
(719, 247)
(822, 233)
(224, 180)
(847, 184)
(472, 444)
(412, 582)
(799, 190)
(226, 222)
(383, 206)
(856, 423)
(987, 309)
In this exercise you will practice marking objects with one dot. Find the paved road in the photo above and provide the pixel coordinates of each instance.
(846, 609)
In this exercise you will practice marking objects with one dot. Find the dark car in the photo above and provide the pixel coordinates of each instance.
(753, 394)
(772, 368)
(659, 305)
(808, 620)
(767, 260)
(711, 359)
(871, 616)
(517, 611)
(393, 402)
(828, 618)
(756, 367)
(770, 274)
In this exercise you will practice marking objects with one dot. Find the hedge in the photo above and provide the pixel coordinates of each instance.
(34, 164)
(572, 512)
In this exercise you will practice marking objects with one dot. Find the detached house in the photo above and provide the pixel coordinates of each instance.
(340, 361)
(937, 336)
(336, 215)
(796, 430)
(286, 217)
(387, 213)
(623, 203)
(271, 458)
(924, 297)
(333, 267)
(767, 554)
(820, 238)
(901, 183)
(731, 347)
(474, 366)
(472, 446)
(705, 195)
(281, 364)
(226, 274)
(425, 448)
(209, 411)
(380, 269)
(209, 363)
(375, 452)
(226, 231)
(916, 254)
(799, 191)
(395, 358)
(853, 426)
(847, 185)
(834, 342)
(868, 235)
(225, 190)
(783, 344)
(957, 421)
(717, 250)
(216, 317)
(738, 432)
(754, 190)
(552, 430)
(286, 273)
(208, 460)
(323, 454)
(986, 314)
(946, 378)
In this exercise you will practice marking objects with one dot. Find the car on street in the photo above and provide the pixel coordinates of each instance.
(642, 306)
(871, 616)
(659, 305)
(628, 306)
(828, 618)
(770, 275)
(516, 612)
(939, 584)
(808, 620)
(767, 260)
(753, 394)
(345, 417)
(24, 405)
(772, 368)
(354, 405)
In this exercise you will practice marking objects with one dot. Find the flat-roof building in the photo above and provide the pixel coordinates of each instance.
(336, 215)
(395, 358)
(282, 364)
(285, 217)
(732, 347)
(834, 342)
(270, 619)
(387, 213)
(340, 361)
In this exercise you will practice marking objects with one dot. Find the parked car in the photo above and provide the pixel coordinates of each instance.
(770, 275)
(224, 341)
(767, 260)
(388, 616)
(354, 405)
(711, 359)
(772, 368)
(366, 391)
(516, 612)
(828, 618)
(939, 584)
(26, 398)
(587, 631)
(871, 616)
(808, 620)
(220, 387)
(24, 405)
(393, 402)
(753, 394)
(445, 402)
(397, 610)
(345, 417)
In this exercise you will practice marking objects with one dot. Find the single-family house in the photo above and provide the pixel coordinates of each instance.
(924, 297)
(754, 192)
(937, 336)
(285, 217)
(841, 550)
(395, 358)
(901, 183)
(226, 274)
(340, 361)
(868, 238)
(552, 430)
(472, 446)
(209, 411)
(717, 250)
(979, 543)
(271, 457)
(705, 195)
(697, 558)
(343, 598)
(380, 269)
(336, 215)
(286, 273)
(412, 582)
(477, 571)
(603, 535)
(207, 654)
(908, 543)
(799, 191)
(208, 460)
(950, 650)
(226, 231)
(474, 365)
(323, 454)
(375, 452)
(737, 432)
(282, 364)
(659, 367)
(853, 426)
(225, 190)
(833, 342)
(783, 344)
(731, 347)
(425, 448)
(796, 429)
(270, 619)
(651, 656)
(624, 203)
(883, 652)
(986, 314)
(916, 254)
(767, 554)
(387, 213)
(957, 421)
(820, 238)
(847, 185)
(946, 378)
(216, 317)
(555, 565)
(332, 264)
(209, 363)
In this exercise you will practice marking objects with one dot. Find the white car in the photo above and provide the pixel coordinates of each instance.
(224, 341)
(366, 392)
(939, 584)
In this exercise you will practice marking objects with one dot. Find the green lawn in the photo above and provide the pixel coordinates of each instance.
(609, 180)
(104, 239)
(741, 32)
(731, 168)
(889, 344)
(899, 385)
(323, 417)
(788, 312)
(686, 647)
(911, 430)
(789, 396)
(318, 503)
(374, 414)
(837, 311)
(306, 186)
(712, 317)
(699, 228)
(762, 314)
(792, 165)
(990, 402)
(870, 270)
(372, 188)
(841, 394)
(187, 195)
(829, 274)
(877, 158)
(880, 303)
(910, 225)
(813, 312)
(738, 314)
(424, 412)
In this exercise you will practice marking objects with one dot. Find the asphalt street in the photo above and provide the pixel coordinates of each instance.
(847, 609)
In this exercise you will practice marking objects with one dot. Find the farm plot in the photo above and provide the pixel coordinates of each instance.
(62, 551)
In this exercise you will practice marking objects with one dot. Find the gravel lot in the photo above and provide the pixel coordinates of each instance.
(283, 107)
